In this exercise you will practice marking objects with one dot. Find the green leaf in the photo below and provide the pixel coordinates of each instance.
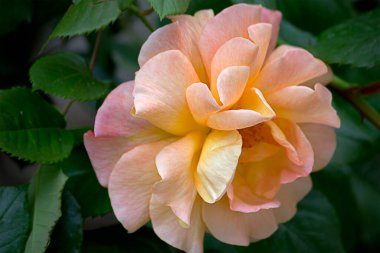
(31, 129)
(68, 233)
(216, 6)
(266, 3)
(14, 219)
(169, 7)
(314, 229)
(66, 75)
(86, 16)
(355, 42)
(45, 193)
(315, 16)
(290, 34)
(83, 181)
(14, 12)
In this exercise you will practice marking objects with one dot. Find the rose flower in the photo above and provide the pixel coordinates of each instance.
(218, 132)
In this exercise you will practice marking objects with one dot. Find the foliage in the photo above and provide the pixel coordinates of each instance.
(40, 70)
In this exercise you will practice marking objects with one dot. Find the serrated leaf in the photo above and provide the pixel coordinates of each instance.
(86, 16)
(45, 193)
(355, 42)
(14, 219)
(31, 129)
(169, 7)
(314, 229)
(68, 233)
(66, 75)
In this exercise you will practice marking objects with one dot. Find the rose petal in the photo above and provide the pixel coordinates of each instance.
(217, 164)
(229, 23)
(288, 66)
(131, 183)
(160, 92)
(235, 52)
(201, 102)
(323, 141)
(176, 164)
(258, 152)
(301, 104)
(183, 34)
(235, 227)
(289, 195)
(169, 229)
(274, 18)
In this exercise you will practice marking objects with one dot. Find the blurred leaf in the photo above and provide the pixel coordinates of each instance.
(12, 13)
(357, 76)
(66, 75)
(31, 129)
(86, 16)
(271, 4)
(91, 196)
(290, 34)
(115, 239)
(355, 42)
(315, 228)
(315, 16)
(14, 219)
(45, 200)
(169, 7)
(68, 233)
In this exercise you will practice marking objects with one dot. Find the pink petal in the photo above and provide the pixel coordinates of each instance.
(175, 164)
(235, 52)
(201, 102)
(183, 34)
(235, 227)
(274, 18)
(289, 195)
(230, 23)
(160, 92)
(288, 66)
(167, 226)
(131, 183)
(323, 140)
(301, 104)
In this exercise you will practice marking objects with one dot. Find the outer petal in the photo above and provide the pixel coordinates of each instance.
(169, 229)
(117, 131)
(176, 164)
(301, 104)
(160, 92)
(289, 195)
(288, 66)
(235, 52)
(323, 140)
(217, 164)
(274, 18)
(231, 22)
(236, 227)
(131, 182)
(201, 102)
(183, 34)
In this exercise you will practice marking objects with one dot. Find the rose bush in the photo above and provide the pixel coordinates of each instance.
(218, 132)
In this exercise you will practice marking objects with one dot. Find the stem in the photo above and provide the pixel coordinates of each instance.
(96, 49)
(147, 12)
(356, 100)
(366, 90)
(67, 107)
(141, 16)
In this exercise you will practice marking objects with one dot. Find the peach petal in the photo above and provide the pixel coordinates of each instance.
(289, 195)
(260, 34)
(258, 152)
(183, 34)
(201, 102)
(301, 104)
(160, 92)
(176, 163)
(131, 183)
(235, 52)
(274, 18)
(217, 164)
(323, 141)
(288, 66)
(167, 226)
(235, 227)
(229, 23)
